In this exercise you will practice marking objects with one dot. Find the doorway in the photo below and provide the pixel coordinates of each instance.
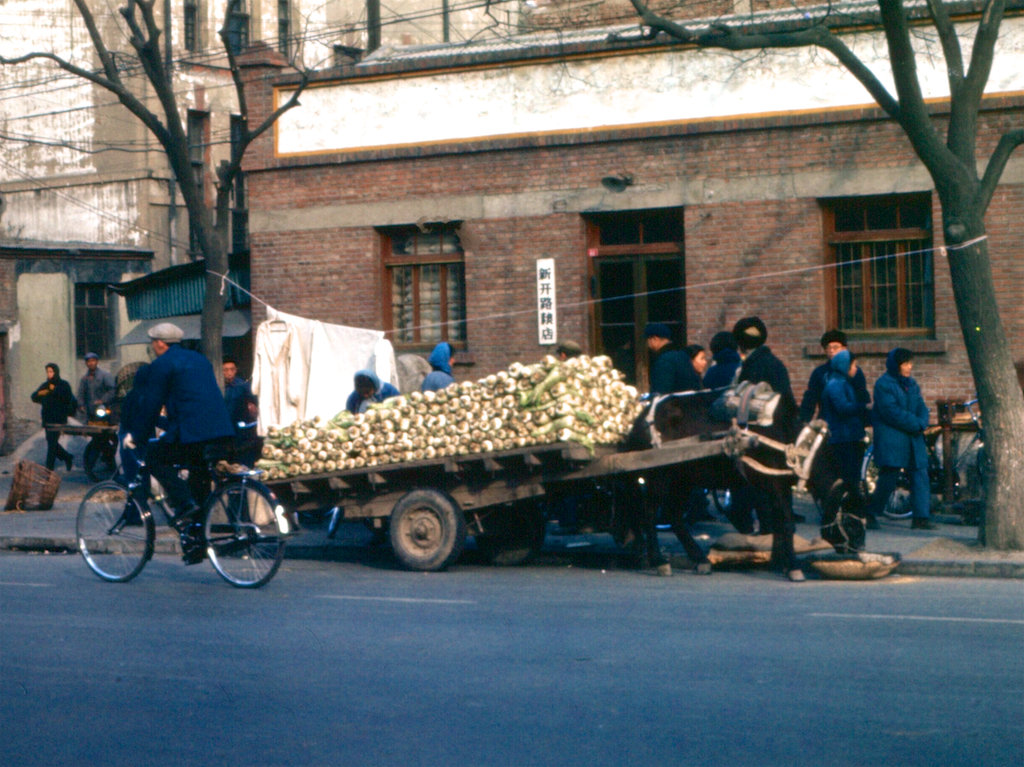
(637, 276)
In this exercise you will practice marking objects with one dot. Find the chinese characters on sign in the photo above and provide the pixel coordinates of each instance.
(547, 326)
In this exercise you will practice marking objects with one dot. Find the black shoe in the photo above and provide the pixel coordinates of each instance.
(192, 550)
(923, 523)
(68, 462)
(872, 524)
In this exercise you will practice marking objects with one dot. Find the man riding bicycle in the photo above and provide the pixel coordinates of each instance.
(198, 429)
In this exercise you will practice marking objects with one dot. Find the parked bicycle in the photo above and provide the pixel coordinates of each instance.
(244, 527)
(969, 467)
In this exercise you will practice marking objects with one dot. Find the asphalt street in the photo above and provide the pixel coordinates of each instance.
(358, 663)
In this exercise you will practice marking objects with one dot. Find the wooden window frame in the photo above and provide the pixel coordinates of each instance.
(85, 314)
(190, 22)
(391, 260)
(913, 239)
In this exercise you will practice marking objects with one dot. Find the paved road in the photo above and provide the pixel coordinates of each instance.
(347, 663)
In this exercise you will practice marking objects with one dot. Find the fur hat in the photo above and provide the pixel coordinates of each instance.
(167, 332)
(750, 332)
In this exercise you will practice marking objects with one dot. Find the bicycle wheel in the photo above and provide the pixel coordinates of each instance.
(897, 506)
(115, 535)
(242, 538)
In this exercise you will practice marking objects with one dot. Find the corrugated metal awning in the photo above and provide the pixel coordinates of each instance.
(178, 291)
(236, 323)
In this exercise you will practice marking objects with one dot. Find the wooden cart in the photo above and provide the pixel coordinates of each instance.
(430, 506)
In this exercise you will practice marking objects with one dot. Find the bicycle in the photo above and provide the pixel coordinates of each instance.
(969, 465)
(244, 527)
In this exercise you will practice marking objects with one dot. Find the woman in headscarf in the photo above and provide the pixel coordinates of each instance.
(368, 390)
(58, 402)
(440, 375)
(899, 418)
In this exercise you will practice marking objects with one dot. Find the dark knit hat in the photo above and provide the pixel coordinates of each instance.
(721, 341)
(657, 329)
(833, 337)
(897, 357)
(750, 332)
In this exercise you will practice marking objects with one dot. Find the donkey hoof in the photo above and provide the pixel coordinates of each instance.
(796, 576)
(704, 568)
(665, 569)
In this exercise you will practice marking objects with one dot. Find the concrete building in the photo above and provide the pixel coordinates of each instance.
(87, 196)
(507, 194)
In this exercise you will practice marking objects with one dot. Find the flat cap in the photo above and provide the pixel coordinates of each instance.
(91, 356)
(167, 332)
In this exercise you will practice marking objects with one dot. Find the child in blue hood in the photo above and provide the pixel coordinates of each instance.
(368, 390)
(440, 375)
(844, 408)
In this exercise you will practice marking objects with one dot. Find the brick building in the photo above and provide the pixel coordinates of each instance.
(419, 192)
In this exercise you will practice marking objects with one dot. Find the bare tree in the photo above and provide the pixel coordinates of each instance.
(209, 224)
(948, 149)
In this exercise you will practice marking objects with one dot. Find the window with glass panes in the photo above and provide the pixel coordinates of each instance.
(284, 25)
(94, 329)
(237, 23)
(426, 285)
(191, 19)
(883, 276)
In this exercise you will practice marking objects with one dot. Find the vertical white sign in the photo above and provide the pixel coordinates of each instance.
(547, 318)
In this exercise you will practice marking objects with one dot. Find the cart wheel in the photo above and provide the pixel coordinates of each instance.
(514, 537)
(428, 530)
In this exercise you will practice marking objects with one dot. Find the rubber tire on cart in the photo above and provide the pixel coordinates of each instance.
(427, 530)
(514, 536)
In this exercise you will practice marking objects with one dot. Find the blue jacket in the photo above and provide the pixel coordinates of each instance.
(672, 371)
(843, 407)
(382, 391)
(441, 375)
(183, 381)
(816, 388)
(727, 362)
(899, 417)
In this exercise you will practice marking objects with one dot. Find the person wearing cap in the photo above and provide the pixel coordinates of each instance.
(368, 390)
(775, 501)
(96, 391)
(832, 341)
(440, 375)
(198, 429)
(899, 418)
(567, 350)
(671, 367)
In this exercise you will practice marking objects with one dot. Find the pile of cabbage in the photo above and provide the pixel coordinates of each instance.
(582, 399)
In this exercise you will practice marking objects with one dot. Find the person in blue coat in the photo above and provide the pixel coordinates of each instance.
(440, 375)
(671, 367)
(725, 358)
(844, 406)
(368, 390)
(198, 429)
(899, 417)
(832, 342)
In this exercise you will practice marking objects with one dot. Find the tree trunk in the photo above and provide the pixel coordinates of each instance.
(999, 394)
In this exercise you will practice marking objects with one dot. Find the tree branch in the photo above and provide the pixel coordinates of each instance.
(1008, 142)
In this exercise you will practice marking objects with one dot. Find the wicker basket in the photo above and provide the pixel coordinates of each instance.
(855, 567)
(34, 488)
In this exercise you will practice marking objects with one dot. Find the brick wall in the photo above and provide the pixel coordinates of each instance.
(754, 248)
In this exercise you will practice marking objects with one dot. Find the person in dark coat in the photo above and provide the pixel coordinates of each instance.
(833, 342)
(440, 375)
(844, 406)
(58, 403)
(368, 390)
(243, 408)
(132, 423)
(899, 418)
(198, 429)
(725, 358)
(775, 499)
(671, 367)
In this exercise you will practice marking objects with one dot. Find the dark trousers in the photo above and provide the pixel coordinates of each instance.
(55, 450)
(167, 459)
(920, 490)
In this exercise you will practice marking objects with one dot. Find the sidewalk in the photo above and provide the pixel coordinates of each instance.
(950, 550)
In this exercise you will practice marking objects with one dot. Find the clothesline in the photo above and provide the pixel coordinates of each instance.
(942, 250)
